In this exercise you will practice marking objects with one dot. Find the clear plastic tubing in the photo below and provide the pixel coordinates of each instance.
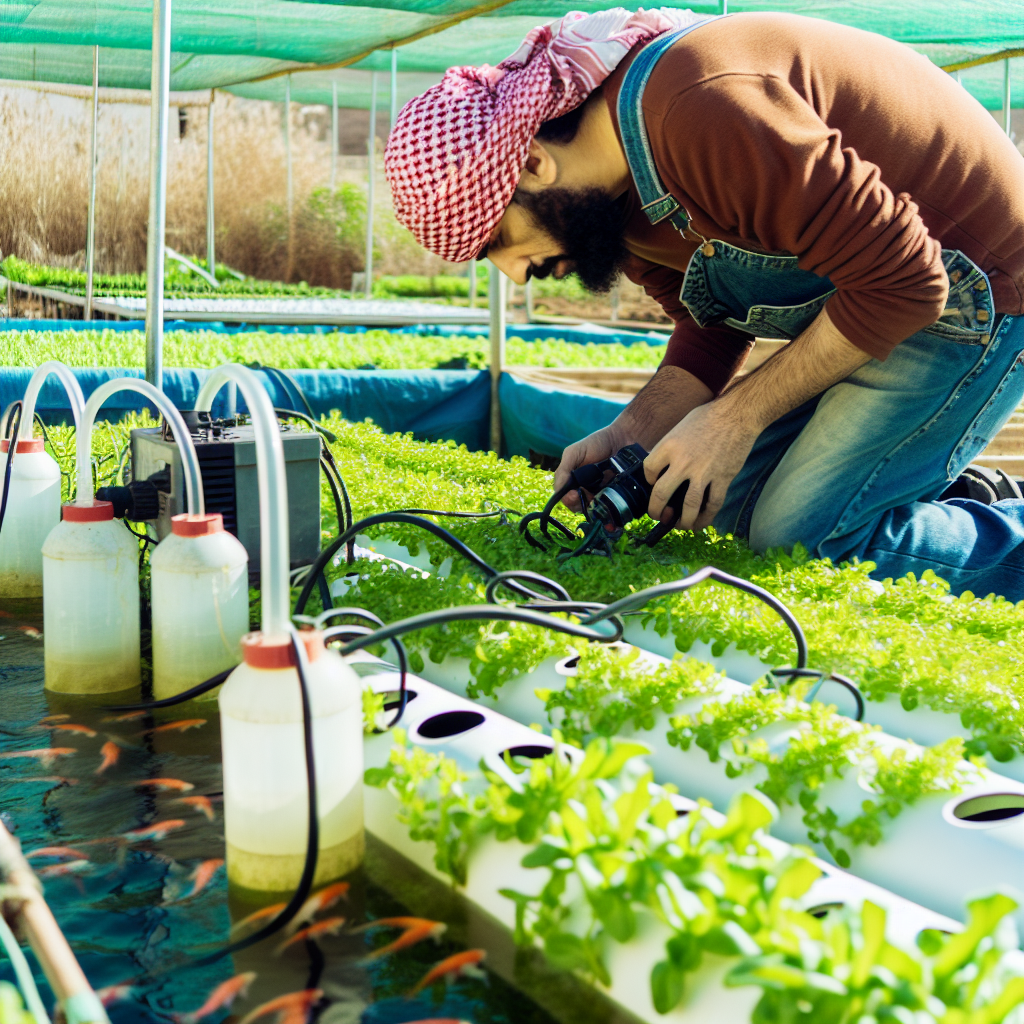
(273, 491)
(71, 385)
(189, 460)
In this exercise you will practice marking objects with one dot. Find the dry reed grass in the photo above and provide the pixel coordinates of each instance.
(44, 192)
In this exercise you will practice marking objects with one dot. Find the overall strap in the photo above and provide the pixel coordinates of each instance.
(655, 199)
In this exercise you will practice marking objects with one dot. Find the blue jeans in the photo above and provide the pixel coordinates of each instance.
(856, 472)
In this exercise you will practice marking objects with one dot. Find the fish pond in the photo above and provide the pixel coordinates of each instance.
(126, 814)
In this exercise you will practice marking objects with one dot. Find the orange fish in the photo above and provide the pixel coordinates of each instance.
(157, 831)
(167, 784)
(199, 803)
(46, 755)
(31, 631)
(71, 867)
(53, 718)
(293, 1007)
(451, 968)
(414, 932)
(318, 902)
(129, 716)
(56, 851)
(183, 726)
(111, 752)
(69, 727)
(328, 926)
(202, 875)
(113, 994)
(255, 918)
(220, 998)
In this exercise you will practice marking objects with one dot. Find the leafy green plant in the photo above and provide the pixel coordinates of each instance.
(12, 1009)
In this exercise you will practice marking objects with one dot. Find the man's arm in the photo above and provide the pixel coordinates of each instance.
(710, 444)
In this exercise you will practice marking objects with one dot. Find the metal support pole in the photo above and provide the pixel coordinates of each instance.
(90, 230)
(371, 173)
(528, 298)
(723, 6)
(394, 86)
(472, 284)
(497, 307)
(211, 221)
(1007, 110)
(334, 135)
(289, 194)
(160, 85)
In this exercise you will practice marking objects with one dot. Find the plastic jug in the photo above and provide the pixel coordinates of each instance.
(91, 602)
(265, 793)
(200, 596)
(33, 510)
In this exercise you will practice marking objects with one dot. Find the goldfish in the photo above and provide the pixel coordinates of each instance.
(260, 915)
(319, 901)
(129, 716)
(31, 631)
(293, 1007)
(328, 926)
(55, 851)
(220, 998)
(71, 867)
(53, 718)
(155, 832)
(414, 931)
(167, 784)
(113, 994)
(182, 726)
(46, 755)
(111, 752)
(202, 875)
(450, 968)
(200, 803)
(84, 730)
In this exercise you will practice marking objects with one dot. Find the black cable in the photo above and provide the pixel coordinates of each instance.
(12, 447)
(709, 572)
(325, 591)
(524, 574)
(546, 519)
(179, 698)
(318, 428)
(458, 515)
(811, 673)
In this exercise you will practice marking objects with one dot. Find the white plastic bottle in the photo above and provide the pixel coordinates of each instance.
(265, 794)
(91, 602)
(200, 588)
(33, 510)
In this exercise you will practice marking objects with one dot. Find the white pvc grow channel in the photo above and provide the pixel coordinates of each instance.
(439, 720)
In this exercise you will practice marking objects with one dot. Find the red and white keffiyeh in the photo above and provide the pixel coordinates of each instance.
(455, 155)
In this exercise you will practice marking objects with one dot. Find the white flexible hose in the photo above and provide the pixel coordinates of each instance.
(71, 385)
(189, 460)
(273, 490)
(22, 971)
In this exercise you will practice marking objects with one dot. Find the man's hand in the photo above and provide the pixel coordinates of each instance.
(602, 444)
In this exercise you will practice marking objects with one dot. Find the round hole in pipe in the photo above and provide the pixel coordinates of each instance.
(449, 723)
(823, 909)
(990, 807)
(394, 697)
(530, 750)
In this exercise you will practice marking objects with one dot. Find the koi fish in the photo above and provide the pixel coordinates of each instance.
(71, 867)
(46, 755)
(56, 851)
(113, 994)
(294, 1007)
(154, 832)
(413, 934)
(200, 803)
(84, 730)
(329, 926)
(254, 918)
(451, 968)
(202, 875)
(31, 631)
(167, 784)
(52, 718)
(111, 752)
(128, 716)
(220, 998)
(319, 901)
(182, 726)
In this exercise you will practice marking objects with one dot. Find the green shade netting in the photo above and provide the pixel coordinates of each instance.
(218, 43)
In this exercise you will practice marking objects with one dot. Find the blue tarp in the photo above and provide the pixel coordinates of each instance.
(582, 335)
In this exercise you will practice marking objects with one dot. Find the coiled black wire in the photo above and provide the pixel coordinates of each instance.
(13, 425)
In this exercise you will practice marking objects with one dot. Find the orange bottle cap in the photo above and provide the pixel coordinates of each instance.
(97, 512)
(35, 444)
(259, 651)
(189, 525)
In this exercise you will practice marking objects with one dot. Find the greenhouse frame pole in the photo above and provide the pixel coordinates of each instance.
(394, 87)
(334, 135)
(497, 307)
(371, 150)
(289, 197)
(472, 284)
(211, 223)
(90, 230)
(160, 87)
(1007, 109)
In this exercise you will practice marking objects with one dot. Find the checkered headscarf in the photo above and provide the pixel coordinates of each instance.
(456, 153)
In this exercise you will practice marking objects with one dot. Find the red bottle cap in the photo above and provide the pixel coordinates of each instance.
(33, 445)
(189, 525)
(97, 512)
(261, 651)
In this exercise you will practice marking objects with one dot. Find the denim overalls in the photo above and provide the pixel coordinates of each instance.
(855, 471)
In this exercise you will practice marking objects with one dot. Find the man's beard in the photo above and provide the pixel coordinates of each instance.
(587, 225)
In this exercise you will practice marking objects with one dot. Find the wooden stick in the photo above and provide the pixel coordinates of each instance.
(75, 997)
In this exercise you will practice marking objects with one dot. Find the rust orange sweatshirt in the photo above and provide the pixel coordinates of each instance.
(786, 134)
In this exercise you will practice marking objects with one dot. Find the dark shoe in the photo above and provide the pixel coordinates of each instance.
(980, 483)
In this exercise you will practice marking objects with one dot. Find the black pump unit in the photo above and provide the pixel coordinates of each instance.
(227, 462)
